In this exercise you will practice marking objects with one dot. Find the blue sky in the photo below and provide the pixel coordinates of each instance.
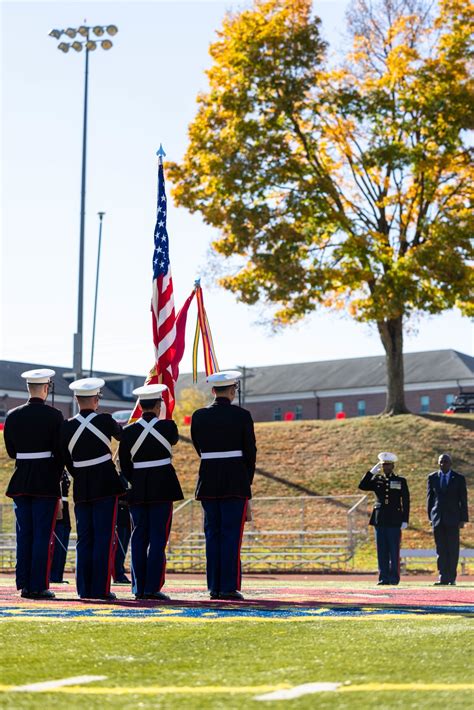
(142, 92)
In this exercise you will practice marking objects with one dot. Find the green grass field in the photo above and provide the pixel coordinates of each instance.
(225, 665)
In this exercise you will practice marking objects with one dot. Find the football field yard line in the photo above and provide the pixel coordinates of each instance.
(53, 684)
(281, 691)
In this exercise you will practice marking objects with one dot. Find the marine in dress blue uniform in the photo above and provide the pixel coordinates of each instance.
(145, 460)
(447, 513)
(62, 532)
(390, 514)
(32, 437)
(86, 442)
(223, 436)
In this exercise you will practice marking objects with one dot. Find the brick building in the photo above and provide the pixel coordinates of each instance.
(311, 390)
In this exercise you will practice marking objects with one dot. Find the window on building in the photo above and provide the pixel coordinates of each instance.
(277, 414)
(361, 408)
(424, 403)
(127, 388)
(338, 407)
(449, 399)
(299, 411)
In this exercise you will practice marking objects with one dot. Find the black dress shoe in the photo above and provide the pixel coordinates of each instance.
(45, 594)
(109, 597)
(382, 582)
(215, 595)
(25, 594)
(237, 596)
(158, 595)
(122, 580)
(139, 596)
(440, 584)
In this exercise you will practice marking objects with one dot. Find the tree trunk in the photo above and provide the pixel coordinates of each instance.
(391, 334)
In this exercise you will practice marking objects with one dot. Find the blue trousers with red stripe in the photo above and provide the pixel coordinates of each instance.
(151, 525)
(224, 520)
(388, 553)
(95, 549)
(35, 518)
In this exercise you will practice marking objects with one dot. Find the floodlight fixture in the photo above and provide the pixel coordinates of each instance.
(64, 47)
(56, 34)
(83, 30)
(98, 30)
(112, 29)
(106, 44)
(71, 32)
(77, 46)
(91, 45)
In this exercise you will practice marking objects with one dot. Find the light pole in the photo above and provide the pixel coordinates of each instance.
(84, 42)
(101, 217)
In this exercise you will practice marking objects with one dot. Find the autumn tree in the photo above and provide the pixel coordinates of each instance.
(189, 399)
(348, 186)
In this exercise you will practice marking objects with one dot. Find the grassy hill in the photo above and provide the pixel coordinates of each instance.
(330, 457)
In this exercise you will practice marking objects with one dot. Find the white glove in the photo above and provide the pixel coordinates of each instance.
(404, 526)
(375, 469)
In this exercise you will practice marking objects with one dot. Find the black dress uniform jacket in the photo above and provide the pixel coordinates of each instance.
(156, 484)
(223, 426)
(34, 427)
(392, 505)
(448, 507)
(100, 480)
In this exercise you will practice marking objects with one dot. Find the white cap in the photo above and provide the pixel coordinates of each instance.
(88, 387)
(387, 457)
(150, 391)
(38, 377)
(225, 378)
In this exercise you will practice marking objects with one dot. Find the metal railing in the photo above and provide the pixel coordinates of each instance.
(300, 533)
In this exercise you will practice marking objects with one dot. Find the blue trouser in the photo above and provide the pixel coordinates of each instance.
(35, 519)
(95, 549)
(61, 541)
(447, 547)
(224, 520)
(388, 553)
(151, 525)
(123, 538)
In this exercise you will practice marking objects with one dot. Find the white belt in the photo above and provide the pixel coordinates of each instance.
(221, 454)
(63, 498)
(92, 462)
(151, 464)
(36, 455)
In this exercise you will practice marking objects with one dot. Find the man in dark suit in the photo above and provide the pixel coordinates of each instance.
(223, 436)
(390, 514)
(145, 460)
(32, 437)
(447, 512)
(87, 442)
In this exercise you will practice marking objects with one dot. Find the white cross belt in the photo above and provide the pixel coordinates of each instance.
(221, 454)
(92, 462)
(151, 464)
(36, 455)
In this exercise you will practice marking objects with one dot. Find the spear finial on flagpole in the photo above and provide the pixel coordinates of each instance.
(197, 283)
(161, 154)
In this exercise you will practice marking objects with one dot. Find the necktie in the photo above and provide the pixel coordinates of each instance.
(444, 482)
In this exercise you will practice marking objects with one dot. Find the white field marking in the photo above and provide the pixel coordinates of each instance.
(51, 684)
(298, 691)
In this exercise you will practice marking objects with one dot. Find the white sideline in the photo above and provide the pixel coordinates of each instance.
(298, 691)
(51, 684)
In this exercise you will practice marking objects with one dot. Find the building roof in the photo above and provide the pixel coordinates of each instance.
(433, 366)
(10, 379)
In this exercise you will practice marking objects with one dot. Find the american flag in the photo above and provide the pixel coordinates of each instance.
(162, 301)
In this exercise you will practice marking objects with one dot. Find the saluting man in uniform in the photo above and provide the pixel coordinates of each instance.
(33, 437)
(223, 436)
(145, 460)
(87, 442)
(390, 514)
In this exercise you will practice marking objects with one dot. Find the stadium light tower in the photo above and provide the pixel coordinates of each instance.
(88, 39)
